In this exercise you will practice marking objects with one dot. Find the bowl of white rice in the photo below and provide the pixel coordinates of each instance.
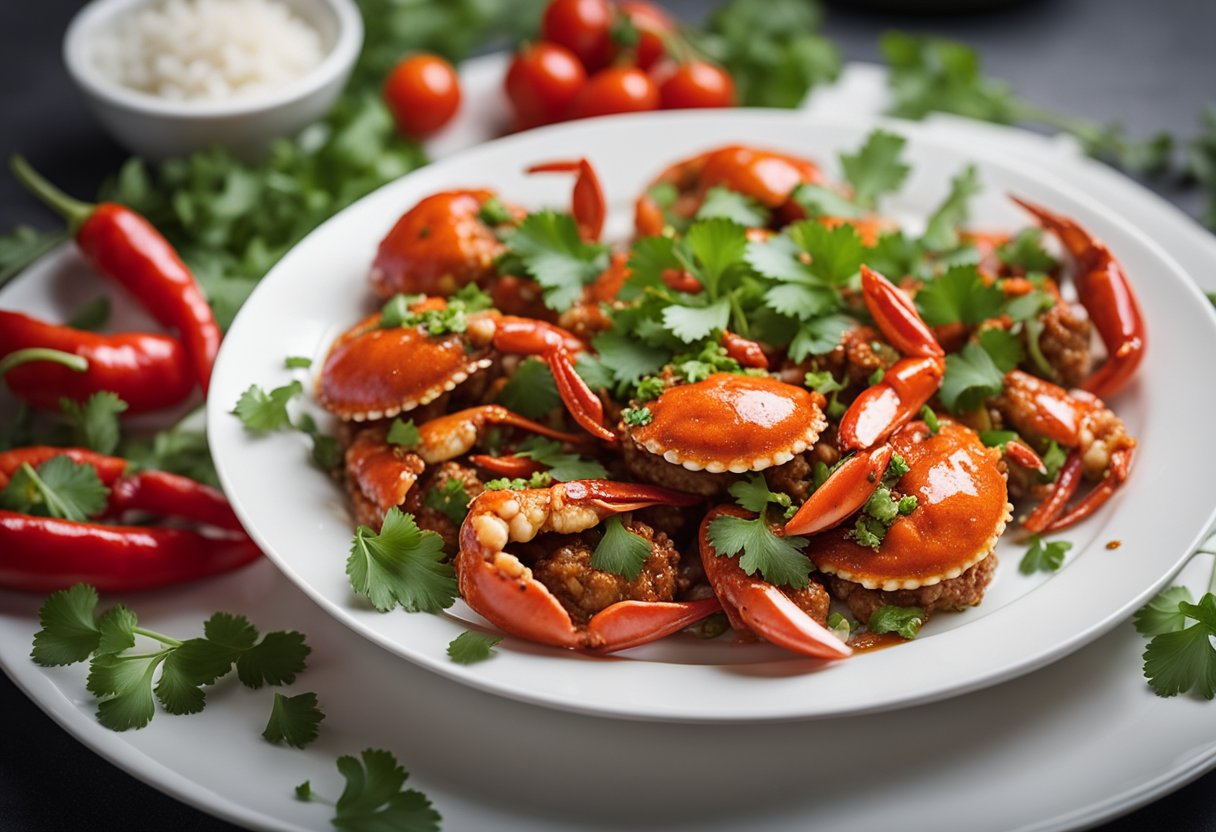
(168, 77)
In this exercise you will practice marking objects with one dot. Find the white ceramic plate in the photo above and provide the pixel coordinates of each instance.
(301, 521)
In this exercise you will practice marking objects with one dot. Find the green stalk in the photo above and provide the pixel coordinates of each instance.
(73, 210)
(70, 360)
(155, 636)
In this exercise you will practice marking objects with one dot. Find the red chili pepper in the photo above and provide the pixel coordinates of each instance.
(42, 554)
(126, 248)
(147, 371)
(162, 493)
(109, 468)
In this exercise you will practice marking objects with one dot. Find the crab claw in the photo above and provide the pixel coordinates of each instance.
(1103, 289)
(844, 492)
(499, 587)
(555, 345)
(763, 607)
(883, 407)
(587, 204)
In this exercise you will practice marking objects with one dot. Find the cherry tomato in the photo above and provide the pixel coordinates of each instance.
(652, 23)
(542, 82)
(582, 26)
(422, 93)
(618, 89)
(697, 84)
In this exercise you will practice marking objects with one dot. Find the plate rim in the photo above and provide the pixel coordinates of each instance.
(916, 132)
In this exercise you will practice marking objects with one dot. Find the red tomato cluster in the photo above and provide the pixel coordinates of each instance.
(579, 70)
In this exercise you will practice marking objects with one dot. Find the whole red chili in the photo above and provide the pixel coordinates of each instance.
(147, 371)
(42, 554)
(126, 248)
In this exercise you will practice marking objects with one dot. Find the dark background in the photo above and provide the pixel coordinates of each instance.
(1150, 65)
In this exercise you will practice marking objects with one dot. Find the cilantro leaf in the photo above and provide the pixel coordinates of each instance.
(1163, 614)
(716, 245)
(627, 358)
(822, 382)
(562, 466)
(294, 720)
(117, 630)
(262, 412)
(818, 201)
(835, 253)
(69, 632)
(801, 302)
(530, 391)
(550, 250)
(404, 434)
(95, 423)
(275, 660)
(123, 686)
(449, 499)
(374, 799)
(942, 230)
(22, 246)
(471, 647)
(754, 494)
(1181, 660)
(636, 417)
(1043, 556)
(401, 565)
(959, 296)
(971, 376)
(1003, 347)
(179, 689)
(876, 168)
(906, 621)
(620, 551)
(819, 336)
(936, 75)
(723, 203)
(1028, 306)
(778, 559)
(1026, 252)
(58, 488)
(692, 323)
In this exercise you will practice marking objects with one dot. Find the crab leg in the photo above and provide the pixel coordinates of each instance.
(1103, 289)
(588, 204)
(763, 607)
(1120, 467)
(525, 336)
(499, 587)
(905, 387)
(846, 491)
(450, 436)
(507, 466)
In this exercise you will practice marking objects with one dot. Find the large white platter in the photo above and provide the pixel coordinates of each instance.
(301, 520)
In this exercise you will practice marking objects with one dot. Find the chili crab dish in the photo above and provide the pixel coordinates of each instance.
(774, 410)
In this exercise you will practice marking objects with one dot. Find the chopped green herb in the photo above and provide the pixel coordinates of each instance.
(620, 551)
(930, 419)
(449, 499)
(906, 621)
(471, 647)
(547, 247)
(723, 203)
(297, 362)
(1042, 556)
(58, 488)
(959, 296)
(779, 560)
(971, 376)
(294, 720)
(262, 412)
(562, 466)
(636, 417)
(404, 434)
(494, 213)
(540, 479)
(530, 391)
(374, 799)
(95, 423)
(942, 230)
(876, 168)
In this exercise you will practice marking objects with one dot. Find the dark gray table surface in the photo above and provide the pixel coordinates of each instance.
(1150, 65)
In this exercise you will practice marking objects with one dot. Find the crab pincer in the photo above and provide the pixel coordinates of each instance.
(761, 607)
(500, 587)
(1105, 292)
(587, 203)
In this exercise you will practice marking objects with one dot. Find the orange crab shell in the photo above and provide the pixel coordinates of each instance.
(732, 422)
(962, 509)
(373, 373)
(437, 247)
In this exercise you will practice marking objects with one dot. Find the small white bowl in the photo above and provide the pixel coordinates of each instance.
(156, 128)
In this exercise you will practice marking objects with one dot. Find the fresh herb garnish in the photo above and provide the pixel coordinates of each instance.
(562, 466)
(401, 565)
(58, 488)
(620, 551)
(404, 434)
(294, 720)
(123, 681)
(1043, 556)
(449, 499)
(374, 799)
(779, 559)
(530, 391)
(471, 647)
(876, 168)
(546, 246)
(906, 621)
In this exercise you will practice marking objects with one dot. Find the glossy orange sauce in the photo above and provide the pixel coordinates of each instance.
(961, 501)
(869, 642)
(730, 417)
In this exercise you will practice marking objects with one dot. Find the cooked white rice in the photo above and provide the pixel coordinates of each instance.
(208, 49)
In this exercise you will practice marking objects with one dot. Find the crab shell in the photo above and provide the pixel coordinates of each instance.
(373, 373)
(962, 509)
(436, 247)
(733, 423)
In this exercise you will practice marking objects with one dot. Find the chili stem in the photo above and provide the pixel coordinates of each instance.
(70, 360)
(155, 636)
(73, 210)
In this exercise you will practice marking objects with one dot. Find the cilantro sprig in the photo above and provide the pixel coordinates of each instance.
(779, 559)
(401, 565)
(472, 646)
(374, 797)
(263, 412)
(57, 488)
(125, 682)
